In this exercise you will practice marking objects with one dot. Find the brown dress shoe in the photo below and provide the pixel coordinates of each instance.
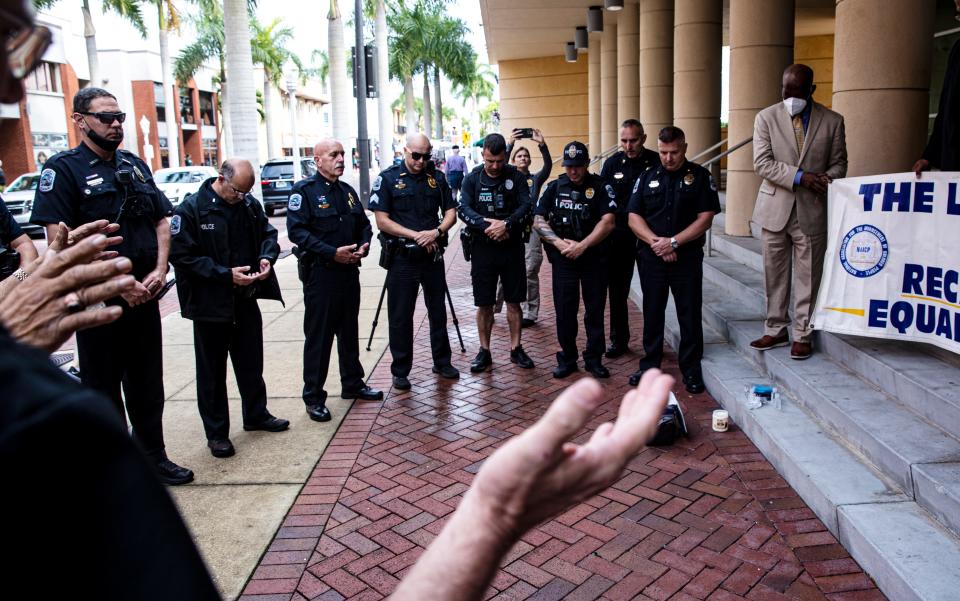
(801, 350)
(765, 342)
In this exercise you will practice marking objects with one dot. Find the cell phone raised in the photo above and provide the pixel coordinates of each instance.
(523, 132)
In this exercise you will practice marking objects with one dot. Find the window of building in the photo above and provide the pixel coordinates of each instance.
(207, 114)
(211, 154)
(160, 101)
(186, 105)
(45, 78)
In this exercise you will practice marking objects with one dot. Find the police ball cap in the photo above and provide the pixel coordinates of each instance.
(575, 155)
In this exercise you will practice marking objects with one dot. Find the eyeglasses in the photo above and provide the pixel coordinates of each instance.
(107, 118)
(417, 156)
(236, 190)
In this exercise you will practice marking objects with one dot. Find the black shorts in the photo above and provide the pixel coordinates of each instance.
(504, 262)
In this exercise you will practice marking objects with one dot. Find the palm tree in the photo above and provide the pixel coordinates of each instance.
(268, 48)
(384, 113)
(474, 88)
(129, 9)
(340, 95)
(447, 51)
(406, 49)
(168, 18)
(242, 100)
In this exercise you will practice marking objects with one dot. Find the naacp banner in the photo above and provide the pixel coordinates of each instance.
(892, 268)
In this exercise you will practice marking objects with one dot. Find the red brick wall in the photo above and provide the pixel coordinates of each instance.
(16, 145)
(68, 79)
(145, 103)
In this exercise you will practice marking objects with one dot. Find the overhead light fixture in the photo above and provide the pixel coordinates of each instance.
(595, 19)
(581, 40)
(613, 4)
(571, 52)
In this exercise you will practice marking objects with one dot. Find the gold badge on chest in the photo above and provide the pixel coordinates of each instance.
(688, 179)
(431, 182)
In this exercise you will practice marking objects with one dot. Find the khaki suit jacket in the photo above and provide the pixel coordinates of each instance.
(776, 160)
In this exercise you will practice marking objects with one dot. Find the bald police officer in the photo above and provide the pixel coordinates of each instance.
(573, 217)
(97, 180)
(671, 209)
(621, 171)
(414, 210)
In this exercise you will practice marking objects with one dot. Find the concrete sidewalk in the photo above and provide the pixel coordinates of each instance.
(235, 505)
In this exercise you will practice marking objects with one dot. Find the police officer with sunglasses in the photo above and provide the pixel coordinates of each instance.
(97, 180)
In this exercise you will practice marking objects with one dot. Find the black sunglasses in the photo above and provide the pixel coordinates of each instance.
(416, 156)
(107, 118)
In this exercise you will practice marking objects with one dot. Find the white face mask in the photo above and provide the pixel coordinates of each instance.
(795, 106)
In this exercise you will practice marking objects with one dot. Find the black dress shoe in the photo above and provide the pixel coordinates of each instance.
(694, 383)
(635, 376)
(482, 362)
(221, 448)
(319, 413)
(447, 371)
(271, 424)
(364, 394)
(527, 323)
(521, 358)
(172, 474)
(597, 371)
(616, 350)
(562, 371)
(401, 383)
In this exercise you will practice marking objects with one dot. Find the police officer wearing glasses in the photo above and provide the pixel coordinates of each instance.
(223, 249)
(495, 206)
(573, 217)
(97, 180)
(330, 228)
(414, 210)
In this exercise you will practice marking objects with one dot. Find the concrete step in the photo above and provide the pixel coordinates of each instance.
(744, 250)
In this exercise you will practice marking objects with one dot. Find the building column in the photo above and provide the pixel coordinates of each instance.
(698, 37)
(608, 85)
(593, 92)
(761, 47)
(881, 82)
(628, 63)
(656, 65)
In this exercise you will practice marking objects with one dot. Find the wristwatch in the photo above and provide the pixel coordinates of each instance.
(439, 233)
(674, 243)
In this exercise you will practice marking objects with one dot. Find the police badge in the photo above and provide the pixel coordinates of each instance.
(589, 193)
(688, 179)
(431, 182)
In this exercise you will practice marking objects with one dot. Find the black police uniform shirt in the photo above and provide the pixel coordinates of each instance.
(77, 186)
(10, 230)
(479, 200)
(621, 172)
(567, 206)
(414, 201)
(669, 201)
(323, 216)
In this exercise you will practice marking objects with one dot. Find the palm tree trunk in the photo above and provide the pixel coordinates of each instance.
(427, 114)
(409, 106)
(173, 132)
(340, 95)
(242, 101)
(267, 112)
(439, 107)
(384, 113)
(225, 131)
(90, 35)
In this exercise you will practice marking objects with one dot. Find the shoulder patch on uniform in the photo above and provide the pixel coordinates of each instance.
(294, 202)
(377, 182)
(175, 223)
(610, 191)
(374, 200)
(713, 184)
(46, 180)
(508, 184)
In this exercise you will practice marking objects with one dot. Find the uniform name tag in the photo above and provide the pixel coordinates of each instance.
(207, 226)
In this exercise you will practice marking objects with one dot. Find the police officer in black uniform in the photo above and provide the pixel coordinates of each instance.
(223, 249)
(671, 209)
(94, 181)
(621, 171)
(414, 210)
(330, 228)
(573, 217)
(495, 206)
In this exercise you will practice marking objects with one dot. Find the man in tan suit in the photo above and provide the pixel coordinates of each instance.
(799, 147)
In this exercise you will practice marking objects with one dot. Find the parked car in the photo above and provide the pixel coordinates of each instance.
(18, 197)
(276, 180)
(177, 182)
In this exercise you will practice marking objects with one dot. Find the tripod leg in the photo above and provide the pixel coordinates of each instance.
(376, 316)
(456, 323)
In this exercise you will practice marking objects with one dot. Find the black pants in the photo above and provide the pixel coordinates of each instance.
(403, 280)
(332, 305)
(685, 280)
(588, 275)
(127, 353)
(621, 260)
(243, 341)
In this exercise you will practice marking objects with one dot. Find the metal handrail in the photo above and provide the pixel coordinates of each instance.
(706, 151)
(707, 164)
(727, 151)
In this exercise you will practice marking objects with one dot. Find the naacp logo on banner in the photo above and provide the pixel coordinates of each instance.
(864, 251)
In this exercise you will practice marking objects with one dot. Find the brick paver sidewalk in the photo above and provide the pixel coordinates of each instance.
(708, 518)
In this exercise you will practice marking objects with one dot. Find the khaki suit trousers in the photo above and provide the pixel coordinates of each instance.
(791, 260)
